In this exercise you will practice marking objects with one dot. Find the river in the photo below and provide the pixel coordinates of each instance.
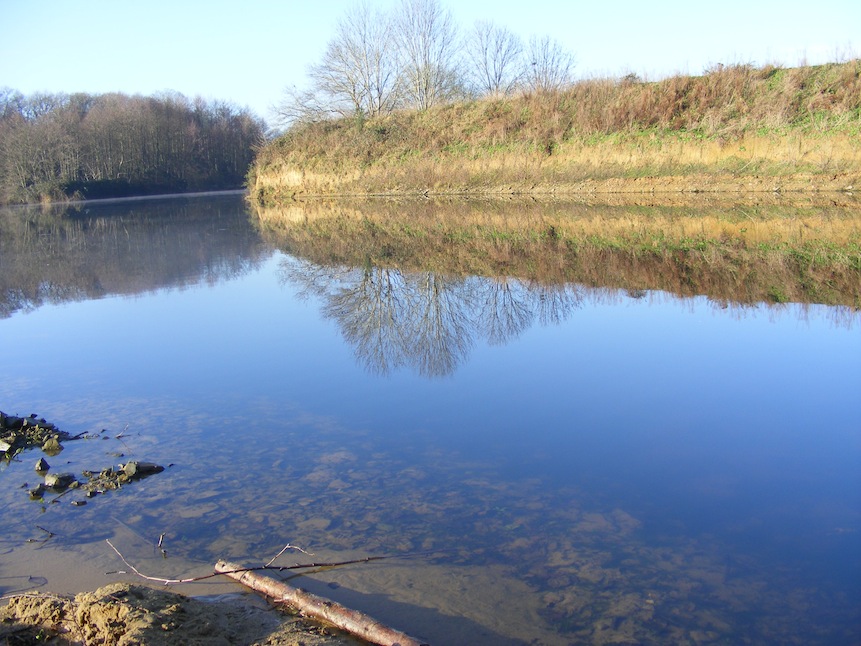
(549, 463)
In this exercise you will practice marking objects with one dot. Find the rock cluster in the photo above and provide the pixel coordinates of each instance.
(20, 433)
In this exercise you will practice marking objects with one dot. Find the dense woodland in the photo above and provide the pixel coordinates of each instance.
(60, 146)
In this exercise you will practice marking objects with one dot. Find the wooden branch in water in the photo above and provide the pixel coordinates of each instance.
(351, 621)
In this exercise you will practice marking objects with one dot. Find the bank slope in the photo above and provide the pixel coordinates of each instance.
(736, 129)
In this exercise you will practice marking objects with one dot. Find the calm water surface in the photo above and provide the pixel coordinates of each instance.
(575, 465)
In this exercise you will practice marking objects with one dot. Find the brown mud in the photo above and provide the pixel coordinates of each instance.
(122, 614)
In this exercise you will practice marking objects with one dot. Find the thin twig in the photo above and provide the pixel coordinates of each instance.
(276, 568)
(159, 546)
(284, 549)
(144, 576)
(49, 536)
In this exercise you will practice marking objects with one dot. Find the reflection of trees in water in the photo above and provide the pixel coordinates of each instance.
(76, 253)
(442, 332)
(554, 303)
(509, 307)
(370, 312)
(504, 311)
(425, 321)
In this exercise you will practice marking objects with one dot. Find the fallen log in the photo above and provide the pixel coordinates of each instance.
(352, 621)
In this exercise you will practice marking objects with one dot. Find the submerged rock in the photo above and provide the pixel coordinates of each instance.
(52, 446)
(20, 433)
(136, 469)
(59, 480)
(38, 491)
(110, 478)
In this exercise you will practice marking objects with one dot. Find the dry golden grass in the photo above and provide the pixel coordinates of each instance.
(738, 128)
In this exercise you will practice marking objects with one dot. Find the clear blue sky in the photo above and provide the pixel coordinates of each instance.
(248, 51)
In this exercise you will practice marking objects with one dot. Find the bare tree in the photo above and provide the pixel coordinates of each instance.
(549, 66)
(357, 75)
(302, 106)
(428, 45)
(368, 34)
(495, 54)
(11, 103)
(356, 72)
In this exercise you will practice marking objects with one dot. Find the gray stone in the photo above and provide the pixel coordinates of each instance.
(136, 469)
(52, 446)
(42, 465)
(59, 480)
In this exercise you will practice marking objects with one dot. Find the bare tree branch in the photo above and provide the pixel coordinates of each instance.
(495, 54)
(549, 67)
(428, 42)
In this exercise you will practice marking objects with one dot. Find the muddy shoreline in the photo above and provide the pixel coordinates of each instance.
(123, 613)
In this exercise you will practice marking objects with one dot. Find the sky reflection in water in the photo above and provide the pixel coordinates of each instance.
(652, 467)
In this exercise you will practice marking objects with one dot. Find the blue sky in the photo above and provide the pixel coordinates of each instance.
(247, 52)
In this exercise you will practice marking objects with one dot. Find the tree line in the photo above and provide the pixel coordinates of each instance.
(56, 146)
(417, 57)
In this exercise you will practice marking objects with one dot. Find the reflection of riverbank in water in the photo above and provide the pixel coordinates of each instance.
(743, 254)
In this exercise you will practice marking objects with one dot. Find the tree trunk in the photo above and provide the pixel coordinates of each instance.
(351, 621)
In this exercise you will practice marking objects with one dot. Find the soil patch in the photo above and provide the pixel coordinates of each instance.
(122, 614)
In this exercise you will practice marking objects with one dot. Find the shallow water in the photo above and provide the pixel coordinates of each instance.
(564, 464)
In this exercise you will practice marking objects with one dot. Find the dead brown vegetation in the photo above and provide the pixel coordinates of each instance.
(733, 123)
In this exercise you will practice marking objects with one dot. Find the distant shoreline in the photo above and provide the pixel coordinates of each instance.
(667, 189)
(130, 198)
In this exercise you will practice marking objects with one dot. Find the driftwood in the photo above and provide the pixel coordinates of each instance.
(351, 621)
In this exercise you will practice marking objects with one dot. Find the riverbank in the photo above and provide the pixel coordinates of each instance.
(122, 613)
(739, 130)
